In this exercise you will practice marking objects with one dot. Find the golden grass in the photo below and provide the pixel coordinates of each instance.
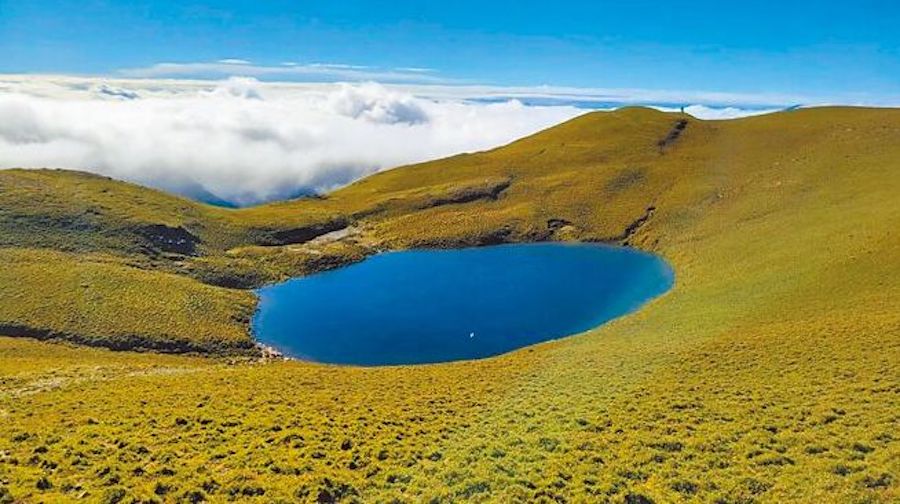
(768, 374)
(51, 294)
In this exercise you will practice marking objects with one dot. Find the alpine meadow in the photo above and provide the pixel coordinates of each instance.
(768, 373)
(406, 252)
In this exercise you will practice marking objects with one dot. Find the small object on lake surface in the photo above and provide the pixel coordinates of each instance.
(409, 307)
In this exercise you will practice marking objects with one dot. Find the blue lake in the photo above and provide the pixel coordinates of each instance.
(425, 306)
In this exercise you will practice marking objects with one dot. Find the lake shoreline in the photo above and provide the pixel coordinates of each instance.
(498, 319)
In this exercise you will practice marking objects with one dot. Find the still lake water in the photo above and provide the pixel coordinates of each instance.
(425, 306)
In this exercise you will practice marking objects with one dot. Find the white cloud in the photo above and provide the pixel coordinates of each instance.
(377, 104)
(234, 61)
(241, 140)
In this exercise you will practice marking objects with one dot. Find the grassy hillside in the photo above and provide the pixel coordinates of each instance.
(769, 373)
(48, 294)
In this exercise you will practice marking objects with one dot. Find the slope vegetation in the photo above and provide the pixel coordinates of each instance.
(769, 373)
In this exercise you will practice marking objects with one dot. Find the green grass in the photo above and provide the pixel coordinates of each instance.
(768, 374)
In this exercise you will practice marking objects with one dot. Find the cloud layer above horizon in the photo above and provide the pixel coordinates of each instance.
(244, 142)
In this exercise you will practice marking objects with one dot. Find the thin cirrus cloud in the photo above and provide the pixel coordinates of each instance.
(234, 61)
(286, 71)
(430, 81)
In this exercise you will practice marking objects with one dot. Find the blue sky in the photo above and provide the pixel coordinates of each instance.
(824, 50)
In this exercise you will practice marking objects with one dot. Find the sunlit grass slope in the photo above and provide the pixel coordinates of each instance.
(768, 374)
(49, 294)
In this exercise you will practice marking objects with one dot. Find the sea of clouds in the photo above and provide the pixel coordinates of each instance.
(242, 142)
